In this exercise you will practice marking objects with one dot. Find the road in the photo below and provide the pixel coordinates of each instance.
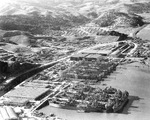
(133, 35)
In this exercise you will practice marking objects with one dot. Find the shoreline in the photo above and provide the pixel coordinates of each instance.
(127, 77)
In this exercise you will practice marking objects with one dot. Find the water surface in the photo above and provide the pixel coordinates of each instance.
(134, 78)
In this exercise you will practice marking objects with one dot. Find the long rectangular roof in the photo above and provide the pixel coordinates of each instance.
(80, 55)
(26, 92)
(93, 56)
(34, 84)
(16, 100)
(4, 113)
(1, 117)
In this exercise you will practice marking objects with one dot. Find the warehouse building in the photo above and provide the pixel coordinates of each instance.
(34, 84)
(1, 117)
(100, 52)
(41, 81)
(30, 93)
(79, 56)
(4, 114)
(93, 57)
(13, 101)
(8, 113)
(11, 113)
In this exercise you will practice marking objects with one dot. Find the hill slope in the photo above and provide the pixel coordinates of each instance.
(118, 19)
(37, 17)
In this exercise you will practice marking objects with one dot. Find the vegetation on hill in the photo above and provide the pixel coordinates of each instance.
(37, 24)
(138, 7)
(119, 19)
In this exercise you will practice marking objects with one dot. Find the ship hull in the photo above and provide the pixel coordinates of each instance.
(120, 108)
(90, 110)
(62, 106)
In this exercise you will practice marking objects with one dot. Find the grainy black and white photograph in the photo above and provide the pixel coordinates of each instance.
(74, 59)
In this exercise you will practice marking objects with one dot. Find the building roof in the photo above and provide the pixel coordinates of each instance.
(105, 39)
(15, 100)
(34, 84)
(4, 113)
(26, 92)
(41, 81)
(1, 117)
(80, 55)
(96, 51)
(89, 51)
(93, 56)
(11, 113)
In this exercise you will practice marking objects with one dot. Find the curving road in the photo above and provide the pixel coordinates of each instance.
(133, 35)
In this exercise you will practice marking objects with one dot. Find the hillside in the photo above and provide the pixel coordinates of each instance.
(38, 17)
(138, 7)
(118, 19)
(36, 23)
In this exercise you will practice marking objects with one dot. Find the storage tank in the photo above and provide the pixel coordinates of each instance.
(11, 113)
(4, 113)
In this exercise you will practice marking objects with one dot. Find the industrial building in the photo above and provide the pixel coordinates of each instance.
(8, 113)
(30, 93)
(13, 101)
(79, 56)
(89, 57)
(93, 57)
(100, 52)
(34, 84)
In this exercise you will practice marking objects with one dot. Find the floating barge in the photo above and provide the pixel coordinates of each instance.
(109, 100)
(112, 109)
(101, 109)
